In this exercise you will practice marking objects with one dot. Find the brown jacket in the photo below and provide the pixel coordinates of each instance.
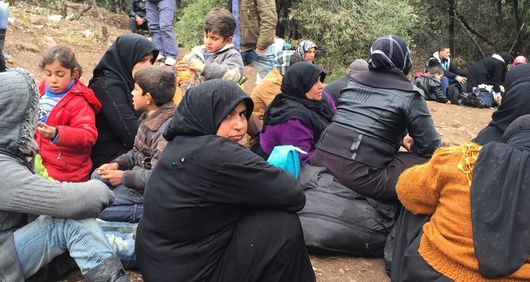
(257, 21)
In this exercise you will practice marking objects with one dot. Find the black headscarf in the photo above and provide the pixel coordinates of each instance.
(205, 106)
(500, 202)
(121, 57)
(292, 102)
(515, 103)
(390, 52)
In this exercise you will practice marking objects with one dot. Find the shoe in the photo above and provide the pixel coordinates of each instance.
(170, 61)
(160, 58)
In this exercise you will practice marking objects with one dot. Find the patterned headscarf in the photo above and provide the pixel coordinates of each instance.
(304, 46)
(390, 52)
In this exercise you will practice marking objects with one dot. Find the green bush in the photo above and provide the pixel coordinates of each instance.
(188, 28)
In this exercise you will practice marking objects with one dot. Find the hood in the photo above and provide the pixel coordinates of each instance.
(18, 112)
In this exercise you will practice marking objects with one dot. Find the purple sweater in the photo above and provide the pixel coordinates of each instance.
(293, 132)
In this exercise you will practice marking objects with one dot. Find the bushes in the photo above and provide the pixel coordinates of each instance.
(188, 28)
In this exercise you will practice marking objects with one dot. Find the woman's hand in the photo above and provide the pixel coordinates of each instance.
(407, 142)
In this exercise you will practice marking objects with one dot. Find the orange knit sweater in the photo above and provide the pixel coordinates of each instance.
(441, 188)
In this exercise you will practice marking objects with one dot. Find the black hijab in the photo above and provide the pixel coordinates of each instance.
(292, 102)
(205, 106)
(121, 57)
(390, 52)
(500, 202)
(515, 103)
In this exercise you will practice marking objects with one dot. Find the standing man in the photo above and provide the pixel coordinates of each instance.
(160, 15)
(255, 31)
(4, 14)
(451, 72)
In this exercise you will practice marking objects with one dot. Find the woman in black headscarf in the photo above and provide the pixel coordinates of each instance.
(112, 82)
(375, 112)
(300, 113)
(515, 103)
(215, 211)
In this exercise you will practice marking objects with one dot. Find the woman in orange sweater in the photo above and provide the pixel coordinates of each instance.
(467, 214)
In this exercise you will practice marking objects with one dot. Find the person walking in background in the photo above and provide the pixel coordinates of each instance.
(4, 15)
(255, 32)
(137, 17)
(160, 15)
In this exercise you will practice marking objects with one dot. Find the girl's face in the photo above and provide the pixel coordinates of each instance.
(142, 63)
(57, 77)
(309, 56)
(315, 93)
(234, 126)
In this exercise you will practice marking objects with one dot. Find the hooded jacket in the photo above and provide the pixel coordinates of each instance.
(68, 159)
(112, 82)
(22, 192)
(202, 186)
(490, 71)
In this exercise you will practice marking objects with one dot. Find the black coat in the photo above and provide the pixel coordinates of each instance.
(137, 8)
(112, 82)
(201, 187)
(489, 71)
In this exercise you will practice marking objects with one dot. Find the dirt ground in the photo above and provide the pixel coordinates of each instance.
(31, 32)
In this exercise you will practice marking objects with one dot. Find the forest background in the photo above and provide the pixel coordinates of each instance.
(345, 29)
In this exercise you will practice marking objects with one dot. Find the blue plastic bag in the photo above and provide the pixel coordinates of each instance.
(286, 157)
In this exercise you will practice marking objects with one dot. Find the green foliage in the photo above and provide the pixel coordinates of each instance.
(345, 29)
(188, 28)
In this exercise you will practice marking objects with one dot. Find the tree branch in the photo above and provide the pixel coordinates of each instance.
(471, 36)
(467, 27)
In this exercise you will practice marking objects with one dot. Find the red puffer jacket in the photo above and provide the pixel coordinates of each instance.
(74, 117)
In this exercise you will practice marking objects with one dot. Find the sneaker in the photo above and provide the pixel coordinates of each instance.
(160, 58)
(170, 61)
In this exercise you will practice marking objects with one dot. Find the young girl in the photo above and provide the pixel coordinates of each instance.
(66, 129)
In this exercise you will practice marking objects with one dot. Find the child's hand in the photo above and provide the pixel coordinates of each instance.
(46, 131)
(109, 166)
(196, 65)
(112, 176)
(182, 66)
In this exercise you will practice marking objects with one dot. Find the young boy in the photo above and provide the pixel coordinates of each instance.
(127, 175)
(429, 83)
(217, 58)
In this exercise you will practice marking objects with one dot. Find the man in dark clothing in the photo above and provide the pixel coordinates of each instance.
(333, 89)
(489, 71)
(213, 210)
(137, 18)
(452, 73)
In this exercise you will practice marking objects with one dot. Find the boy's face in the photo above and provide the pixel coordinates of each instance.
(214, 41)
(438, 76)
(140, 102)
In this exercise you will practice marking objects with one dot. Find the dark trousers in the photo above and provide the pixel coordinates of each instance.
(266, 245)
(407, 264)
(376, 183)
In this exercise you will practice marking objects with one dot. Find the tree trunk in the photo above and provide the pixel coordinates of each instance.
(451, 28)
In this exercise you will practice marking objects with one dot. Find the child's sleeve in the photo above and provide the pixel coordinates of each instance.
(81, 130)
(231, 68)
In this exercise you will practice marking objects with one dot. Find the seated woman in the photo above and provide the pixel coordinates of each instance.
(300, 113)
(515, 103)
(214, 211)
(466, 219)
(376, 111)
(112, 82)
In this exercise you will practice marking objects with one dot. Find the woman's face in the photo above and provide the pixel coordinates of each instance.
(315, 93)
(309, 56)
(234, 125)
(142, 63)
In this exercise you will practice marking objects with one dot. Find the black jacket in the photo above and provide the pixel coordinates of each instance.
(488, 71)
(137, 8)
(431, 88)
(201, 187)
(333, 89)
(382, 106)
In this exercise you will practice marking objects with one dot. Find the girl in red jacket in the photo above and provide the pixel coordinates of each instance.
(67, 129)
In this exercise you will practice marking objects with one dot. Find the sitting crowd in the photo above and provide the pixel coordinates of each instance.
(204, 207)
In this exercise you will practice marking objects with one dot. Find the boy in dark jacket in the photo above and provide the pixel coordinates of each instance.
(429, 83)
(127, 175)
